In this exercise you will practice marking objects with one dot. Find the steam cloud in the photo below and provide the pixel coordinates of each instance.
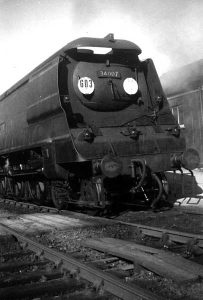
(186, 78)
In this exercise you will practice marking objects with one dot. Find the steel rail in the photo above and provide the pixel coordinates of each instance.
(107, 282)
(175, 236)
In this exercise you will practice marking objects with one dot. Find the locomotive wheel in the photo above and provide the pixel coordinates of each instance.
(2, 188)
(157, 190)
(40, 191)
(9, 187)
(35, 190)
(165, 185)
(17, 189)
(59, 196)
(21, 190)
(153, 190)
(163, 202)
(26, 191)
(92, 193)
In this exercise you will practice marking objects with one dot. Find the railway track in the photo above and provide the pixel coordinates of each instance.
(166, 236)
(63, 264)
(120, 258)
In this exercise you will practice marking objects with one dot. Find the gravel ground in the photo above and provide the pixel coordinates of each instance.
(174, 219)
(71, 240)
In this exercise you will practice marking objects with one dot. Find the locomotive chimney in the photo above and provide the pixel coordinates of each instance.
(110, 37)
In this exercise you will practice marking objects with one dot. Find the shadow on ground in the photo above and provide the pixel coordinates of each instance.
(182, 186)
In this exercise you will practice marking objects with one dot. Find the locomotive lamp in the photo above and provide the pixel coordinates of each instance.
(86, 135)
(190, 159)
(159, 101)
(134, 133)
(111, 166)
(175, 131)
(130, 86)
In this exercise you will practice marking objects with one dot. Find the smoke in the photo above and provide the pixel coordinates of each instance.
(186, 78)
(170, 31)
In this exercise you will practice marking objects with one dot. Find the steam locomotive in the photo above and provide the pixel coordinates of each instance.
(87, 126)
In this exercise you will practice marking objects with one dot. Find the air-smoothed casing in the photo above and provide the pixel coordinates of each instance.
(123, 111)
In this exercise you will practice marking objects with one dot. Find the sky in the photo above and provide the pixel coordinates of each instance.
(168, 31)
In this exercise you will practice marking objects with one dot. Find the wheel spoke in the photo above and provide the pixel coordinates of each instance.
(152, 190)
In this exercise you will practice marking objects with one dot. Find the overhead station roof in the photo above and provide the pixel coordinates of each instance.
(186, 78)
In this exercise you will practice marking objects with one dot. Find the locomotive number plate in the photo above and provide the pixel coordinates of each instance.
(108, 74)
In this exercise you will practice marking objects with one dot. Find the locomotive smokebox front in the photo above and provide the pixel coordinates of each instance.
(105, 87)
